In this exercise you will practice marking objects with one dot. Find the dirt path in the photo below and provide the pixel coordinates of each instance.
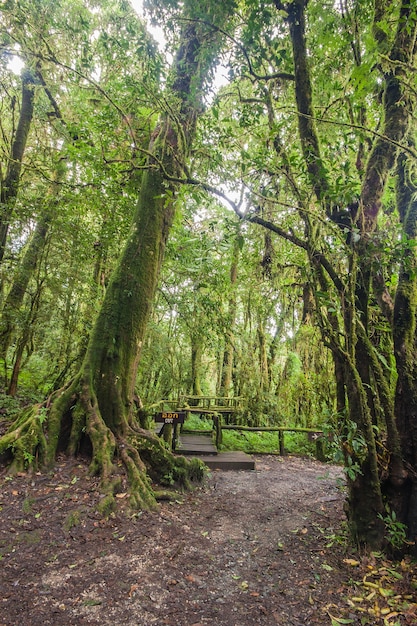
(247, 548)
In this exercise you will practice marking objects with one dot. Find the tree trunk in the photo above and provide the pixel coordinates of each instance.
(365, 496)
(196, 364)
(403, 496)
(10, 184)
(13, 301)
(227, 367)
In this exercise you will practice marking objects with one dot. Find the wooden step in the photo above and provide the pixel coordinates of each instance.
(196, 445)
(202, 447)
(229, 461)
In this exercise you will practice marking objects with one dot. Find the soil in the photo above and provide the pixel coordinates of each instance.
(246, 548)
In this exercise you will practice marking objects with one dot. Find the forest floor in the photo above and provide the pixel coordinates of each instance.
(262, 547)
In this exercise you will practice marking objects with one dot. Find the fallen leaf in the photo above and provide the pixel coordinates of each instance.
(328, 568)
(352, 562)
(340, 620)
(133, 588)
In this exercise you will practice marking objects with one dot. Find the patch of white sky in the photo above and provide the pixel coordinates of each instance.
(220, 78)
(15, 63)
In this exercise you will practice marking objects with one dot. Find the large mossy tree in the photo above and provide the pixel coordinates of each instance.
(96, 409)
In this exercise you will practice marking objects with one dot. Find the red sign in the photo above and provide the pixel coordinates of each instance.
(171, 417)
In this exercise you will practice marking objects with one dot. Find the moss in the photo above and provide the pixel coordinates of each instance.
(107, 505)
(25, 441)
(72, 520)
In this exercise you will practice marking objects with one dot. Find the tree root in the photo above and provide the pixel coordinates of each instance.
(74, 416)
(25, 441)
(163, 466)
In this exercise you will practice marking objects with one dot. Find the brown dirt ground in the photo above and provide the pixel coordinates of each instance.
(247, 548)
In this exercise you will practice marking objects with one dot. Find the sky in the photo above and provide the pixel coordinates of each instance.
(154, 30)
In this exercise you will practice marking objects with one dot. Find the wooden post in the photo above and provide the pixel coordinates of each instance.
(176, 436)
(167, 434)
(320, 453)
(281, 442)
(217, 419)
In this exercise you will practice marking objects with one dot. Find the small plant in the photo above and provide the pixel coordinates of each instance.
(42, 414)
(352, 468)
(28, 458)
(27, 505)
(347, 444)
(73, 519)
(395, 530)
(168, 479)
(194, 422)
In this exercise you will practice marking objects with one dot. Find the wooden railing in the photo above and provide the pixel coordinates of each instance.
(202, 404)
(215, 407)
(210, 404)
(313, 435)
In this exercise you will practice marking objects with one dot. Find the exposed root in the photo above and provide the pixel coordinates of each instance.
(101, 437)
(163, 466)
(140, 489)
(25, 441)
(74, 416)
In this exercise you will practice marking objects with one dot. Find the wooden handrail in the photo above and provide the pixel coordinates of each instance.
(319, 435)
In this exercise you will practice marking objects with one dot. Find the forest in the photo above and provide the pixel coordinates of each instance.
(211, 199)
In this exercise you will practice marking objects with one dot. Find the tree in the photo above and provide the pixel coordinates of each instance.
(98, 404)
(83, 147)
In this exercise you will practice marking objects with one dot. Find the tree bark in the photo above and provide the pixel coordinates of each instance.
(362, 368)
(228, 354)
(403, 496)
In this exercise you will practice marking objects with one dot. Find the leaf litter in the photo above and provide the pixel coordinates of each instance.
(250, 548)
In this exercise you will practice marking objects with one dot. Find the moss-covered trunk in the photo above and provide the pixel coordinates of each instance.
(402, 497)
(96, 409)
(228, 354)
(356, 355)
(14, 299)
(10, 184)
(196, 363)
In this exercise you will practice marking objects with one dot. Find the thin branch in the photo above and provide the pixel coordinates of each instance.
(374, 133)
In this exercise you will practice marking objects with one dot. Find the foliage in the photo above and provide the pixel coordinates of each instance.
(267, 443)
(396, 531)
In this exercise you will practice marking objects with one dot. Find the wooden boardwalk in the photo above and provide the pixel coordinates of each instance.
(202, 447)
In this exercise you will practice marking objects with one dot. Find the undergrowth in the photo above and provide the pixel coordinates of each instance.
(264, 442)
